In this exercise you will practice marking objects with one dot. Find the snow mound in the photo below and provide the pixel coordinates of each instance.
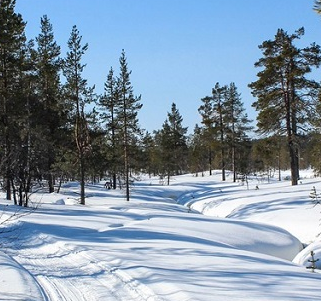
(242, 235)
(60, 202)
(304, 257)
(15, 276)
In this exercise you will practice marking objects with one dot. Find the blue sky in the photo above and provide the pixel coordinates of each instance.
(177, 49)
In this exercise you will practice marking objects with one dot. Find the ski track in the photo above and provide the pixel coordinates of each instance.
(68, 273)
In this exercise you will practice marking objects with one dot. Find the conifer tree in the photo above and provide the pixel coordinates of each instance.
(212, 111)
(148, 157)
(108, 104)
(127, 121)
(218, 94)
(12, 40)
(78, 95)
(49, 112)
(285, 96)
(172, 140)
(209, 127)
(236, 123)
(198, 154)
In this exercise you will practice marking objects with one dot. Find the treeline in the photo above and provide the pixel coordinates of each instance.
(53, 126)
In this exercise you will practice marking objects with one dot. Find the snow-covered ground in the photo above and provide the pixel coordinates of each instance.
(197, 239)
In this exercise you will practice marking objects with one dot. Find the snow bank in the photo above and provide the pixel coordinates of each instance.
(304, 257)
(16, 282)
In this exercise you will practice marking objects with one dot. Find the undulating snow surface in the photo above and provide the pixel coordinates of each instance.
(197, 239)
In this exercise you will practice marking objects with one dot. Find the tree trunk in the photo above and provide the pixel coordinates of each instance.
(294, 161)
(126, 173)
(114, 181)
(210, 161)
(233, 162)
(82, 178)
(51, 183)
(222, 142)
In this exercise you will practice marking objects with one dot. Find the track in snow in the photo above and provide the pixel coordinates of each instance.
(67, 273)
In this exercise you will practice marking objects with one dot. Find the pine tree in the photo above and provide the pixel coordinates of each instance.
(209, 127)
(285, 96)
(212, 111)
(108, 104)
(78, 95)
(236, 123)
(12, 40)
(127, 121)
(49, 112)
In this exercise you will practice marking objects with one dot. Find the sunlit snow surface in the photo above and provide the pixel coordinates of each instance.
(197, 239)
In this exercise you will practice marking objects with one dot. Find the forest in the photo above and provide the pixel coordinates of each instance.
(54, 127)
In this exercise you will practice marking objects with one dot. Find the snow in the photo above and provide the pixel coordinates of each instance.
(197, 239)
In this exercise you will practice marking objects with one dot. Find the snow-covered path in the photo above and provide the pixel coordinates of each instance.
(67, 273)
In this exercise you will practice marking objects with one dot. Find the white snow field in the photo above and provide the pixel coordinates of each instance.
(197, 239)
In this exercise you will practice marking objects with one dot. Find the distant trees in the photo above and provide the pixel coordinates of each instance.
(286, 98)
(199, 151)
(226, 124)
(171, 141)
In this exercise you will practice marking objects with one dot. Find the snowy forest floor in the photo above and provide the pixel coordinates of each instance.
(196, 239)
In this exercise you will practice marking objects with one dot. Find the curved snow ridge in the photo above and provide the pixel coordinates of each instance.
(12, 274)
(70, 273)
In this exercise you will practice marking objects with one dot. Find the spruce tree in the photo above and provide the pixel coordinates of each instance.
(285, 96)
(172, 139)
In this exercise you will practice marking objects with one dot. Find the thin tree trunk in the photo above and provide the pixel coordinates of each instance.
(210, 160)
(82, 180)
(126, 171)
(233, 163)
(222, 141)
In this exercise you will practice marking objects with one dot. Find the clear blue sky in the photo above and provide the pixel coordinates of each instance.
(177, 49)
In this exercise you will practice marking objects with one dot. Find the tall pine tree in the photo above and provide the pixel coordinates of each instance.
(12, 40)
(108, 104)
(212, 112)
(127, 121)
(77, 95)
(285, 96)
(49, 105)
(237, 126)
